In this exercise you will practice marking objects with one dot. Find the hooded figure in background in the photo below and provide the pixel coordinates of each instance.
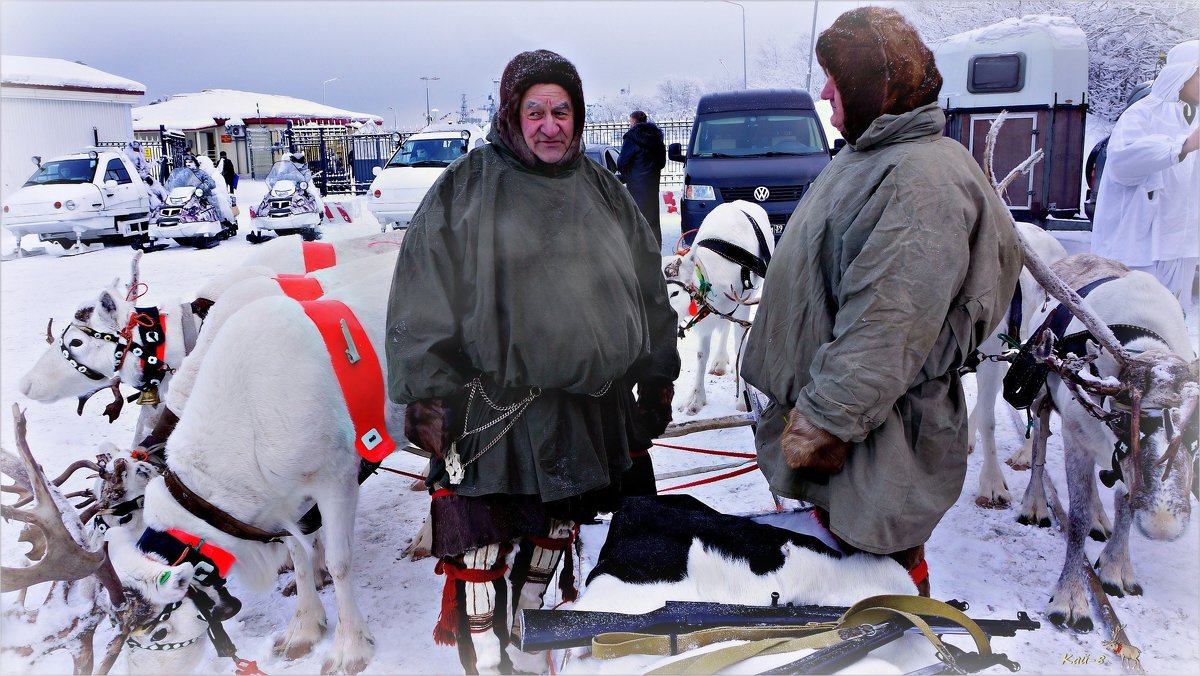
(526, 305)
(643, 155)
(220, 194)
(1148, 204)
(899, 261)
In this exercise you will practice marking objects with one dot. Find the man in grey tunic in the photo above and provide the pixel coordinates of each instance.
(527, 304)
(897, 263)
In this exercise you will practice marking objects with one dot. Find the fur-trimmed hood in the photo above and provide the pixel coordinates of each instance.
(879, 64)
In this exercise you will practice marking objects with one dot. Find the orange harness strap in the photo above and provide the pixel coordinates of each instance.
(300, 287)
(318, 255)
(358, 372)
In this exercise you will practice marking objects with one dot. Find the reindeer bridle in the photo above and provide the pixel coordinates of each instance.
(154, 645)
(120, 347)
(146, 319)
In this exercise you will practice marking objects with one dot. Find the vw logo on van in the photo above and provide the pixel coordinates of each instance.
(761, 193)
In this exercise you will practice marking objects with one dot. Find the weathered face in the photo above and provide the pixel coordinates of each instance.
(831, 94)
(547, 121)
(53, 377)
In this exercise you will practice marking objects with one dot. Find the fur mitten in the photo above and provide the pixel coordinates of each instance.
(427, 424)
(808, 447)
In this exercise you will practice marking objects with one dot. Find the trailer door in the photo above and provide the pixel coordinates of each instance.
(1017, 141)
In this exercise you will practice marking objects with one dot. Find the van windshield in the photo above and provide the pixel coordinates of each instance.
(757, 135)
(64, 171)
(429, 152)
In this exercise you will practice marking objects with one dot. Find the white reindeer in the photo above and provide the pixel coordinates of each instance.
(707, 278)
(993, 489)
(285, 255)
(1155, 489)
(263, 450)
(101, 344)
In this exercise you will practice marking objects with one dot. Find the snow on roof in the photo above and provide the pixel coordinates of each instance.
(60, 73)
(1062, 31)
(202, 109)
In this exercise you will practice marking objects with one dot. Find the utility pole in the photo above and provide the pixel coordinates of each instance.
(745, 80)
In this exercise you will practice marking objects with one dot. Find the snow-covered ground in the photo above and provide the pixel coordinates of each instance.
(977, 555)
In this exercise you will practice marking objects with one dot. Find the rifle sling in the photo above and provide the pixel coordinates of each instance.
(772, 640)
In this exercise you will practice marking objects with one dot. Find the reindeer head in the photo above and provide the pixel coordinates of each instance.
(1158, 473)
(54, 377)
(678, 293)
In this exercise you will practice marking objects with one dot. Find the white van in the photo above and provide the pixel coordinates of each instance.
(400, 186)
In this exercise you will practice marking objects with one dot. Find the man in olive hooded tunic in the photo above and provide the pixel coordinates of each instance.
(897, 263)
(528, 301)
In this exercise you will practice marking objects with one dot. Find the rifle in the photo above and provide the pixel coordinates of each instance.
(550, 629)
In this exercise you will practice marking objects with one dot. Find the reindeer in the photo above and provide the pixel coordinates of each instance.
(1147, 379)
(105, 345)
(262, 451)
(1129, 654)
(721, 274)
(286, 255)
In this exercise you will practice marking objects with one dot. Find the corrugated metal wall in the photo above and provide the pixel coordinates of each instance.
(46, 127)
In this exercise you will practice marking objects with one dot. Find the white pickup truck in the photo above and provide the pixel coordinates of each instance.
(87, 197)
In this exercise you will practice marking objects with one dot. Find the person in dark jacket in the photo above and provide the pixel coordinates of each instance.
(898, 263)
(642, 158)
(526, 305)
(227, 172)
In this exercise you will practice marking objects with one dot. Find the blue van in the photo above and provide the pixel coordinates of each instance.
(761, 145)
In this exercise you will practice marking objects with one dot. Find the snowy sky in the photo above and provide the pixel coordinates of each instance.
(381, 49)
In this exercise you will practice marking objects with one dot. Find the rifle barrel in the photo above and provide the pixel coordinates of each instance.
(551, 629)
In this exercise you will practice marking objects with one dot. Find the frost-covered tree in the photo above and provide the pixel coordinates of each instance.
(1126, 38)
(777, 65)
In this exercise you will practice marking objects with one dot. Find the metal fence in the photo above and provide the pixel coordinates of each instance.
(341, 162)
(674, 131)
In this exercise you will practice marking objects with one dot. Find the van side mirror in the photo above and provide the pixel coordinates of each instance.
(37, 159)
(837, 146)
(375, 171)
(110, 184)
(675, 152)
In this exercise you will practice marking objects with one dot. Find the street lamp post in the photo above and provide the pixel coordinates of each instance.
(395, 118)
(428, 119)
(812, 47)
(745, 80)
(323, 87)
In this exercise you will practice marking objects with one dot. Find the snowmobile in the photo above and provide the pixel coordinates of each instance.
(291, 205)
(191, 215)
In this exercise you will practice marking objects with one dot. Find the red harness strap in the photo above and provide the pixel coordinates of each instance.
(358, 372)
(219, 556)
(920, 572)
(318, 256)
(446, 630)
(300, 287)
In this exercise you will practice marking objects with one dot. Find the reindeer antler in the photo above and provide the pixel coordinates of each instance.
(134, 274)
(66, 557)
(50, 332)
(1051, 282)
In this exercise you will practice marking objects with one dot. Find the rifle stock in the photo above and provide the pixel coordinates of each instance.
(551, 629)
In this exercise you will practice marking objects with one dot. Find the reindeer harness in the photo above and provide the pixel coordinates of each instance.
(1027, 377)
(150, 349)
(747, 263)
